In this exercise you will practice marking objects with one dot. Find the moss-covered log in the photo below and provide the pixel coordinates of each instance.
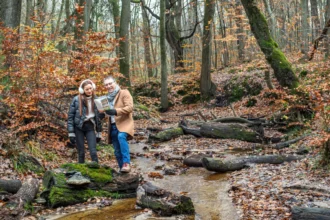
(103, 182)
(166, 135)
(163, 202)
(221, 166)
(275, 57)
(304, 213)
(230, 131)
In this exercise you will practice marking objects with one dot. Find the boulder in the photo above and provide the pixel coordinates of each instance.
(76, 183)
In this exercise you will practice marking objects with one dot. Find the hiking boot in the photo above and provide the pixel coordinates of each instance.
(126, 168)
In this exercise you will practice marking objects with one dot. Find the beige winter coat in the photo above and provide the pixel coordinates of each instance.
(123, 104)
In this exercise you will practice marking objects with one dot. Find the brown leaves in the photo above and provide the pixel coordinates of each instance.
(155, 175)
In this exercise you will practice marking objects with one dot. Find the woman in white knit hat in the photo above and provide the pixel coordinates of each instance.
(84, 121)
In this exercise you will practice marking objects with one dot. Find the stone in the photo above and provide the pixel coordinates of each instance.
(77, 179)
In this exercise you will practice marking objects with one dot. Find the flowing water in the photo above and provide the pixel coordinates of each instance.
(208, 191)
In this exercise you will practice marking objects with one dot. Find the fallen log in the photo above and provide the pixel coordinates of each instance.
(25, 195)
(231, 131)
(194, 160)
(221, 166)
(14, 208)
(11, 186)
(302, 213)
(166, 135)
(163, 202)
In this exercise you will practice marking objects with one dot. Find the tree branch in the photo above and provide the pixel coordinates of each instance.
(317, 40)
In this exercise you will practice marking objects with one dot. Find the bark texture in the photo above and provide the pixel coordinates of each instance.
(11, 186)
(10, 12)
(275, 57)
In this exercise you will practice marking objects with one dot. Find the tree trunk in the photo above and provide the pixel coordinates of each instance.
(116, 19)
(146, 37)
(124, 66)
(222, 27)
(275, 57)
(59, 20)
(11, 186)
(240, 31)
(79, 25)
(207, 88)
(87, 14)
(315, 18)
(304, 25)
(271, 18)
(29, 13)
(10, 12)
(304, 213)
(52, 15)
(67, 14)
(327, 40)
(163, 202)
(162, 30)
(222, 166)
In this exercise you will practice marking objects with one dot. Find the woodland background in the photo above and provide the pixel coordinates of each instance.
(168, 53)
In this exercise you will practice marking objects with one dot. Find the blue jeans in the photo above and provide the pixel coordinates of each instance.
(119, 142)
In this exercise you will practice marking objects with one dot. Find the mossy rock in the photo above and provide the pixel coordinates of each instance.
(99, 175)
(150, 89)
(27, 163)
(64, 196)
(104, 183)
(191, 98)
(237, 88)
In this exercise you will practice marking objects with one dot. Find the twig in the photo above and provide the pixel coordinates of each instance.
(232, 109)
(202, 116)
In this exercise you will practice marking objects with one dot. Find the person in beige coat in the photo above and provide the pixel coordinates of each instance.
(121, 123)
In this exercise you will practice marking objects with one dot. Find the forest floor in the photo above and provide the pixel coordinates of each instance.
(262, 191)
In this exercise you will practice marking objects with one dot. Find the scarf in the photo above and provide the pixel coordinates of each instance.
(111, 96)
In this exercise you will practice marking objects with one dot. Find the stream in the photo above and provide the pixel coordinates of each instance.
(208, 191)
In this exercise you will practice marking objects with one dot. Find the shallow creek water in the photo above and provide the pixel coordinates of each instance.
(208, 191)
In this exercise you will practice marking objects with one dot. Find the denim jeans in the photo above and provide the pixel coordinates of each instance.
(88, 132)
(120, 144)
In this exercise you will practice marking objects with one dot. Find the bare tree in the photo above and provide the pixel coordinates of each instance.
(207, 88)
(164, 98)
(124, 43)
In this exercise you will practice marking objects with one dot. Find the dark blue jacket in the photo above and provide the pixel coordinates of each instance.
(75, 120)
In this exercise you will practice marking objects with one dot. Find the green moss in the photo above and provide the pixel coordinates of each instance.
(143, 107)
(169, 133)
(63, 196)
(237, 92)
(251, 102)
(303, 73)
(99, 175)
(29, 207)
(185, 206)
